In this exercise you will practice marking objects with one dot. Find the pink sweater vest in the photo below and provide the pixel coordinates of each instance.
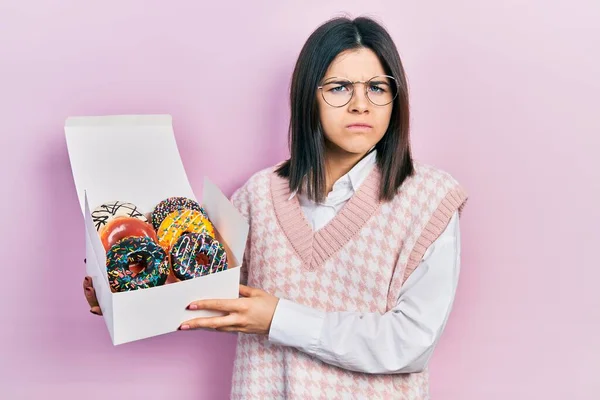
(357, 262)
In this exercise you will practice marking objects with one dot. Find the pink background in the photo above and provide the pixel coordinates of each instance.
(504, 96)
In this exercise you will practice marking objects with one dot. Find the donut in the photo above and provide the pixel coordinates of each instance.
(171, 204)
(136, 250)
(107, 211)
(121, 227)
(179, 222)
(171, 278)
(197, 254)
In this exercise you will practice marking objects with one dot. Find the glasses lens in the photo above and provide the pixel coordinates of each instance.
(337, 92)
(382, 90)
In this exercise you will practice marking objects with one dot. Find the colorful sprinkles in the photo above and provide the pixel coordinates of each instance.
(179, 222)
(183, 231)
(197, 254)
(166, 207)
(131, 250)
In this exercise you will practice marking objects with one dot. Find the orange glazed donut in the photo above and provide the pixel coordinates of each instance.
(121, 227)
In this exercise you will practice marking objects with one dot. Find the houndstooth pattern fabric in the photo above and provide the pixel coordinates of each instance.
(357, 262)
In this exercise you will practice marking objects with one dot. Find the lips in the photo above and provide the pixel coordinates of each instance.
(359, 126)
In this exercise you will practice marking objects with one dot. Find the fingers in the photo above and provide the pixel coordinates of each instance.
(247, 291)
(230, 322)
(232, 329)
(96, 310)
(227, 305)
(90, 296)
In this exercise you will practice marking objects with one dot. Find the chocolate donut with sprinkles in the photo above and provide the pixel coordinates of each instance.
(171, 204)
(197, 254)
(136, 251)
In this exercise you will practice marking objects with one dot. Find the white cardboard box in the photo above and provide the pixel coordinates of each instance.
(134, 158)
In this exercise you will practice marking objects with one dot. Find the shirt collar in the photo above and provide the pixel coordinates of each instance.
(358, 173)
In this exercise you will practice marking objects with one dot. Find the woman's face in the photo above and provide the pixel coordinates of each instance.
(342, 133)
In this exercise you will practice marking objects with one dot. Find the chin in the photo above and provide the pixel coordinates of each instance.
(357, 149)
(357, 152)
(352, 145)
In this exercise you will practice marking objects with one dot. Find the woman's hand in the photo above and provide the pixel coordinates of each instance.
(90, 295)
(252, 313)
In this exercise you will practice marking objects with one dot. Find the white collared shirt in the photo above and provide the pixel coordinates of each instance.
(320, 214)
(399, 341)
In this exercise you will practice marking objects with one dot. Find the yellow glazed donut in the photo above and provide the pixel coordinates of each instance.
(180, 221)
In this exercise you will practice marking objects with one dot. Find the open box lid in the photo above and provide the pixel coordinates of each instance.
(131, 158)
(134, 158)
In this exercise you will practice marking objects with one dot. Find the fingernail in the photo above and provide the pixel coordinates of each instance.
(88, 290)
(184, 327)
(95, 313)
(193, 307)
(87, 280)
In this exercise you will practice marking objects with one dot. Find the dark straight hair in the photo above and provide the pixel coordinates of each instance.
(306, 137)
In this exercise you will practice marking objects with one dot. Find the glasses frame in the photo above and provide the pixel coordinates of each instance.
(320, 87)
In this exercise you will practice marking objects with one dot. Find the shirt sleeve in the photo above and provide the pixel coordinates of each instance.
(399, 341)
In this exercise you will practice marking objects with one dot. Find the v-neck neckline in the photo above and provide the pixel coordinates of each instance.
(314, 248)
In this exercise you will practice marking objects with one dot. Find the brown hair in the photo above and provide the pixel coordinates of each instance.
(306, 138)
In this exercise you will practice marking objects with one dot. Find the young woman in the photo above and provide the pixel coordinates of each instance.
(353, 254)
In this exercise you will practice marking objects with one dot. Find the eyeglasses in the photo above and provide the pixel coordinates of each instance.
(381, 90)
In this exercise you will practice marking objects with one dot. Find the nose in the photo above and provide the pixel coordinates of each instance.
(359, 102)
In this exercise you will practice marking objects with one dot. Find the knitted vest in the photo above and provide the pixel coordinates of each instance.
(357, 262)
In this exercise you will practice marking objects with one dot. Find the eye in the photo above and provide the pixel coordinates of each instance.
(377, 88)
(337, 88)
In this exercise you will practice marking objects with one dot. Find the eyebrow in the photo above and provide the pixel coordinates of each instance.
(333, 79)
(387, 82)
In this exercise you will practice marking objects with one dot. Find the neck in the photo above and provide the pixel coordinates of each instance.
(337, 164)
